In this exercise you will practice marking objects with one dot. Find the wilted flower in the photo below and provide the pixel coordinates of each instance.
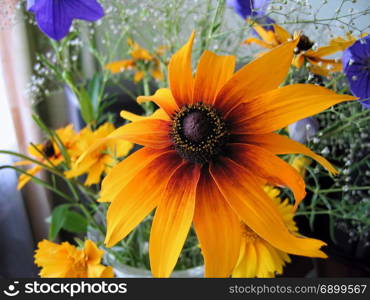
(356, 66)
(54, 17)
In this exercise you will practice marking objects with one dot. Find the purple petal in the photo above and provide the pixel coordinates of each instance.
(255, 9)
(356, 66)
(242, 7)
(54, 17)
(85, 10)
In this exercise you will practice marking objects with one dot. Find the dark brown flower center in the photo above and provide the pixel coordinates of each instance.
(199, 133)
(48, 149)
(304, 44)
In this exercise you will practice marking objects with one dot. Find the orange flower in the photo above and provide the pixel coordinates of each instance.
(142, 61)
(304, 52)
(207, 156)
(67, 261)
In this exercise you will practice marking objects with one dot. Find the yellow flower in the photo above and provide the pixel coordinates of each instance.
(67, 261)
(304, 52)
(50, 150)
(141, 61)
(207, 156)
(300, 163)
(101, 160)
(258, 258)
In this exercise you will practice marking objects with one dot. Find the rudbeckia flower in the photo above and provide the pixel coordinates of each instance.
(54, 18)
(67, 261)
(49, 153)
(252, 9)
(304, 53)
(356, 66)
(142, 61)
(257, 257)
(207, 157)
(101, 160)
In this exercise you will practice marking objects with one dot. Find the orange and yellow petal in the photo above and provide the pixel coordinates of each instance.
(124, 171)
(150, 132)
(94, 173)
(164, 99)
(99, 271)
(158, 114)
(172, 219)
(139, 75)
(26, 177)
(281, 34)
(324, 67)
(212, 73)
(93, 253)
(258, 42)
(256, 209)
(181, 74)
(217, 228)
(283, 106)
(255, 78)
(267, 36)
(139, 196)
(157, 74)
(119, 66)
(279, 144)
(265, 164)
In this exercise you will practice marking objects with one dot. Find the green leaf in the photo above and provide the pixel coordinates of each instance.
(74, 222)
(58, 218)
(86, 106)
(94, 92)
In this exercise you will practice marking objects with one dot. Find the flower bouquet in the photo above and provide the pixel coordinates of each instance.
(249, 125)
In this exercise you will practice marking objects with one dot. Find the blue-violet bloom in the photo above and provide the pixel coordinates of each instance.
(255, 9)
(54, 17)
(356, 66)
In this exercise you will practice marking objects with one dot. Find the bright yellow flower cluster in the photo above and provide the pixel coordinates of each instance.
(75, 143)
(102, 159)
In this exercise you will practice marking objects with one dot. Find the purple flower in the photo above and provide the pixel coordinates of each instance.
(303, 130)
(54, 17)
(255, 9)
(356, 66)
